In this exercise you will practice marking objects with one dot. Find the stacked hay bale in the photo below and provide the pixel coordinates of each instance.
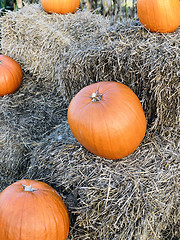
(132, 198)
(38, 40)
(135, 198)
(78, 49)
(25, 118)
(147, 62)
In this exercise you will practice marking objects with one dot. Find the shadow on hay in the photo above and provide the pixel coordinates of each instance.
(26, 117)
(12, 155)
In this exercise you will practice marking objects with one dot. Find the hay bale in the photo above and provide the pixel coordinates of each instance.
(38, 40)
(82, 48)
(25, 118)
(135, 198)
(146, 62)
(34, 109)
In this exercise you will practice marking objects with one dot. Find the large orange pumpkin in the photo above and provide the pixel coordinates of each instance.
(60, 6)
(32, 210)
(107, 119)
(10, 75)
(159, 15)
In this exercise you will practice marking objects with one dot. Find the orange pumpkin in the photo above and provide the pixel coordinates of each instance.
(32, 210)
(107, 119)
(60, 6)
(10, 75)
(159, 15)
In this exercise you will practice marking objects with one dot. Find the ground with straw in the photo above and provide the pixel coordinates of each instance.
(135, 198)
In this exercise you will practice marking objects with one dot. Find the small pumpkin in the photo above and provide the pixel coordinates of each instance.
(10, 75)
(32, 210)
(60, 6)
(107, 119)
(159, 15)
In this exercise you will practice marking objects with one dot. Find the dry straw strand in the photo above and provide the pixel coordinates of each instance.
(135, 198)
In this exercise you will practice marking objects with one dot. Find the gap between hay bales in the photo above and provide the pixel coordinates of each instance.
(26, 117)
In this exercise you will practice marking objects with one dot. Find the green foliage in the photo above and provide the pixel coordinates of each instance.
(7, 4)
(2, 4)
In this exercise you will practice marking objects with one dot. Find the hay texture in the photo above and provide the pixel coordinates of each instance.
(135, 198)
(12, 155)
(26, 117)
(39, 40)
(82, 48)
(35, 108)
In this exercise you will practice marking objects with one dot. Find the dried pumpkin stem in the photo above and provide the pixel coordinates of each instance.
(29, 188)
(96, 96)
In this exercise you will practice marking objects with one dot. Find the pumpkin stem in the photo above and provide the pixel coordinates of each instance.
(96, 97)
(29, 188)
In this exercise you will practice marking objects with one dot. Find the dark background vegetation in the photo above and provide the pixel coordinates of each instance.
(118, 9)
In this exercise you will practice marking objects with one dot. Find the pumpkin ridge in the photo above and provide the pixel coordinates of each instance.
(11, 218)
(2, 217)
(137, 119)
(42, 210)
(62, 217)
(90, 127)
(20, 75)
(108, 133)
(21, 221)
(92, 130)
(59, 205)
(5, 79)
(14, 76)
(121, 134)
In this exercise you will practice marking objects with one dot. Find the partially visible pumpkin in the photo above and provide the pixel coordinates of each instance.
(60, 6)
(10, 75)
(32, 210)
(107, 119)
(159, 15)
